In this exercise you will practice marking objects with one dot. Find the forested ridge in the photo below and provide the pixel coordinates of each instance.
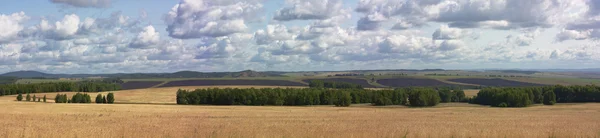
(84, 86)
(525, 96)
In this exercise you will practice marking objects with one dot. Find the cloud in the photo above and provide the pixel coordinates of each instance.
(408, 24)
(446, 33)
(450, 45)
(223, 47)
(85, 3)
(309, 10)
(502, 14)
(577, 35)
(147, 38)
(196, 19)
(60, 30)
(273, 33)
(11, 25)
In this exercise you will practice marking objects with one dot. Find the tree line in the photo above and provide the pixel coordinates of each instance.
(85, 86)
(418, 97)
(525, 96)
(331, 84)
(31, 99)
(84, 98)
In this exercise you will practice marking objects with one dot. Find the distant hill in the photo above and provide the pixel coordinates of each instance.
(27, 74)
(180, 74)
(250, 73)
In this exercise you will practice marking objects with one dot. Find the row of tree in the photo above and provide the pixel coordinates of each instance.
(331, 84)
(85, 86)
(309, 96)
(110, 98)
(84, 98)
(525, 96)
(31, 99)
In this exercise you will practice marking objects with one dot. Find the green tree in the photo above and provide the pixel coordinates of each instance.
(34, 98)
(445, 95)
(549, 98)
(28, 97)
(460, 95)
(19, 97)
(420, 97)
(110, 98)
(99, 99)
(344, 99)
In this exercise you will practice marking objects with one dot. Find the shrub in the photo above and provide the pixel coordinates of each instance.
(61, 98)
(39, 99)
(34, 98)
(503, 105)
(181, 94)
(382, 98)
(28, 97)
(421, 97)
(343, 99)
(460, 96)
(44, 98)
(549, 98)
(110, 98)
(445, 95)
(99, 99)
(19, 97)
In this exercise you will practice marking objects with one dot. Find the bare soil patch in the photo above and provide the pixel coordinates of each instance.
(139, 84)
(412, 82)
(361, 82)
(232, 82)
(494, 82)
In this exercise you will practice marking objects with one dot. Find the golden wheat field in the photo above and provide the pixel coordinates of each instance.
(28, 119)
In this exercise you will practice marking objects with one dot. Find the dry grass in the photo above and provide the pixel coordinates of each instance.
(22, 119)
(28, 119)
(471, 92)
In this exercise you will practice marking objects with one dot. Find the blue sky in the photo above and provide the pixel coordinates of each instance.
(113, 36)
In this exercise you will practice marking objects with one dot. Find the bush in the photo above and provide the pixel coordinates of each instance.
(110, 98)
(61, 98)
(421, 97)
(99, 99)
(34, 98)
(28, 97)
(445, 95)
(382, 98)
(549, 98)
(19, 97)
(181, 97)
(343, 99)
(81, 98)
(44, 98)
(39, 99)
(460, 96)
(503, 105)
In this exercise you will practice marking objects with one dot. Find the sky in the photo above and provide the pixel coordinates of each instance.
(127, 36)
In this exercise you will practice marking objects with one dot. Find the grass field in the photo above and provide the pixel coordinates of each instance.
(22, 119)
(165, 119)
